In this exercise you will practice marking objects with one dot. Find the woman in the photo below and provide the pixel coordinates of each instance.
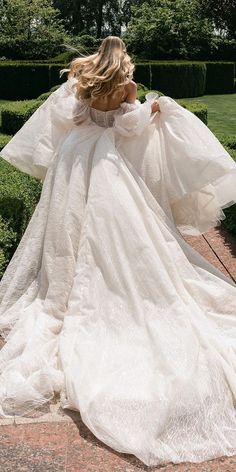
(103, 301)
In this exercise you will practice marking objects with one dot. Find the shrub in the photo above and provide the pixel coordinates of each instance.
(44, 96)
(199, 109)
(142, 74)
(20, 80)
(179, 80)
(63, 58)
(219, 77)
(15, 114)
(229, 142)
(230, 222)
(19, 194)
(55, 87)
(7, 242)
(4, 139)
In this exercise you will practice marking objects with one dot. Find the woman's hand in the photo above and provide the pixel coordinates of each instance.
(155, 107)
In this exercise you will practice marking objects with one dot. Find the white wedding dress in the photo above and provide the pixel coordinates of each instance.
(103, 301)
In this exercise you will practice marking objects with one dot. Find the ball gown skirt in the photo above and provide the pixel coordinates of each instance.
(103, 302)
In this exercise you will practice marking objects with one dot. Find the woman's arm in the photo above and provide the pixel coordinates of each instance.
(131, 96)
(131, 92)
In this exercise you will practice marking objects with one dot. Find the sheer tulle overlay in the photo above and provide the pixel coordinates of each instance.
(103, 301)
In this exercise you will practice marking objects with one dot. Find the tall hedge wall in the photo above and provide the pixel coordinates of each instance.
(178, 79)
(187, 79)
(27, 80)
(220, 77)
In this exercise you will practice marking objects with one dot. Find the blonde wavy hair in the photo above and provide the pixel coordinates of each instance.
(104, 73)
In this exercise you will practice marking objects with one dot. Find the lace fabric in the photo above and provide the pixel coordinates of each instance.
(103, 301)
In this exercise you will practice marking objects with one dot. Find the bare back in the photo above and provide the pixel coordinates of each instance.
(112, 103)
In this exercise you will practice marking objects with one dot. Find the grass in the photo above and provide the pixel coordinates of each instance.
(221, 112)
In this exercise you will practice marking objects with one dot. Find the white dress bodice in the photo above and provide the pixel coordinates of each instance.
(104, 118)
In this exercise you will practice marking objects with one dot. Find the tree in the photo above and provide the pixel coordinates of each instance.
(126, 9)
(169, 29)
(95, 17)
(29, 29)
(223, 15)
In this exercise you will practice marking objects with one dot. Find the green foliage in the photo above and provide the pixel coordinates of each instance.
(64, 57)
(179, 79)
(54, 88)
(7, 242)
(220, 77)
(142, 74)
(44, 96)
(229, 142)
(91, 17)
(15, 114)
(222, 13)
(19, 194)
(175, 79)
(230, 222)
(224, 49)
(28, 80)
(4, 139)
(169, 29)
(199, 109)
(29, 29)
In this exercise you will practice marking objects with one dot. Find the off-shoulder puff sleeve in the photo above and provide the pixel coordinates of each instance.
(136, 116)
(34, 146)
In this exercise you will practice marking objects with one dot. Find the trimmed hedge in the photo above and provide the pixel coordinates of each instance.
(142, 74)
(19, 194)
(25, 80)
(28, 80)
(179, 80)
(199, 109)
(219, 77)
(4, 139)
(7, 242)
(229, 142)
(15, 114)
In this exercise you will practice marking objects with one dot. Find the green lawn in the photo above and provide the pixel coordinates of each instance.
(221, 112)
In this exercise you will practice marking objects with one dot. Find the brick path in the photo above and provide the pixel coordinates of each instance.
(60, 442)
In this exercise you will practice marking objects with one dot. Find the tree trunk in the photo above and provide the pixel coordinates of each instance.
(99, 19)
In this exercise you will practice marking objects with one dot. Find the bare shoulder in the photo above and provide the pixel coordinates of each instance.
(131, 86)
(131, 91)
